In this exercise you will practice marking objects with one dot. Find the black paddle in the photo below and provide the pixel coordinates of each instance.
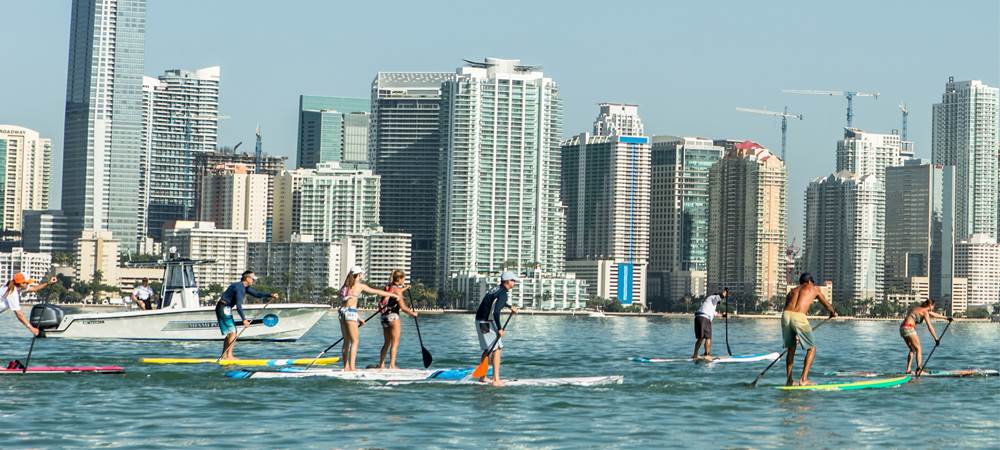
(428, 359)
(754, 384)
(320, 355)
(483, 368)
(726, 316)
(259, 317)
(31, 348)
(923, 368)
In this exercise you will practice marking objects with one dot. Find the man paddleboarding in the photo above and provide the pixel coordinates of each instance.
(703, 323)
(233, 298)
(10, 297)
(488, 327)
(795, 325)
(922, 313)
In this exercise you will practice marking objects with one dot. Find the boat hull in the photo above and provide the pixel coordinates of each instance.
(279, 322)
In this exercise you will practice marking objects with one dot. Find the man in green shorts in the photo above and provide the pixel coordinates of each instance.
(795, 325)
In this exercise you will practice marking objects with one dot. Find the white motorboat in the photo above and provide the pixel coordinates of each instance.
(181, 317)
(596, 314)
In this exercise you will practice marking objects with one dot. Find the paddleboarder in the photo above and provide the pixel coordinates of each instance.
(10, 298)
(703, 323)
(233, 298)
(348, 313)
(488, 327)
(923, 312)
(795, 325)
(392, 327)
(142, 295)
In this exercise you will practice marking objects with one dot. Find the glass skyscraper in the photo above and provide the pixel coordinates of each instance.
(103, 126)
(333, 129)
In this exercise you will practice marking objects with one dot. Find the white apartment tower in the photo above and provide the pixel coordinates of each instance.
(977, 259)
(618, 119)
(328, 202)
(25, 174)
(236, 200)
(866, 153)
(746, 222)
(501, 175)
(965, 135)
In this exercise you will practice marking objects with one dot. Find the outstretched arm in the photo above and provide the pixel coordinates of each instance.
(24, 320)
(41, 286)
(368, 290)
(930, 328)
(826, 303)
(404, 307)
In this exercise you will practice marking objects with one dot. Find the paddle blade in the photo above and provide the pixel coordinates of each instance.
(428, 359)
(482, 369)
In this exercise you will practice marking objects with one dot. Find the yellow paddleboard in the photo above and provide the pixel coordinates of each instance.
(243, 362)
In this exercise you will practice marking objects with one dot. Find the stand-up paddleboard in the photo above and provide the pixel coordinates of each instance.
(374, 375)
(722, 359)
(37, 370)
(242, 362)
(960, 373)
(869, 384)
(539, 382)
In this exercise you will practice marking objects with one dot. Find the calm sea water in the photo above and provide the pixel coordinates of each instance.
(663, 405)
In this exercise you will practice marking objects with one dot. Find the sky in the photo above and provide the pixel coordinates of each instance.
(687, 65)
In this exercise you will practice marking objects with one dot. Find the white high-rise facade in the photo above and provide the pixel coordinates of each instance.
(25, 174)
(866, 153)
(844, 234)
(501, 140)
(965, 135)
(180, 120)
(328, 202)
(103, 127)
(618, 119)
(34, 265)
(977, 259)
(236, 201)
(202, 240)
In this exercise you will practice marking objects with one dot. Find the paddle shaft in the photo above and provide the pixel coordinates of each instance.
(728, 350)
(754, 384)
(30, 349)
(320, 355)
(484, 360)
(424, 353)
(936, 344)
(259, 316)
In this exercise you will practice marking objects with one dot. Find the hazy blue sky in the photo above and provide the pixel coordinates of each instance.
(687, 64)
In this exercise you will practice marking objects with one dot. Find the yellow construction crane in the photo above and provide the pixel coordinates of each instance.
(848, 94)
(784, 124)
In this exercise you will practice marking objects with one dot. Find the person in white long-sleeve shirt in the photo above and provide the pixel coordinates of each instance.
(10, 296)
(703, 323)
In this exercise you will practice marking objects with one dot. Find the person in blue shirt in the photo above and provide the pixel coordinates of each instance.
(233, 298)
(488, 326)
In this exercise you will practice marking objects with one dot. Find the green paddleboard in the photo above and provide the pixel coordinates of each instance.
(867, 384)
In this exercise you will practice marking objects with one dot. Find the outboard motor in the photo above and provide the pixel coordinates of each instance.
(45, 316)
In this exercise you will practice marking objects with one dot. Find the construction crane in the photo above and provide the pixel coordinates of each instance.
(784, 124)
(906, 115)
(848, 94)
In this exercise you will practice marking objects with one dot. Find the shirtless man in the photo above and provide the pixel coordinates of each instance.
(794, 324)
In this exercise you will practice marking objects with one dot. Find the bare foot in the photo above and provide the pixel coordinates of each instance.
(806, 383)
(481, 379)
(789, 382)
(497, 383)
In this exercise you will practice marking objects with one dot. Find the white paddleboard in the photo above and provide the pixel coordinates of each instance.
(722, 359)
(379, 375)
(540, 382)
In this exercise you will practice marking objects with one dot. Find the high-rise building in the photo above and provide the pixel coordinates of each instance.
(866, 153)
(678, 252)
(333, 129)
(919, 226)
(605, 187)
(965, 135)
(405, 145)
(746, 222)
(97, 251)
(25, 174)
(34, 265)
(48, 231)
(180, 120)
(103, 128)
(202, 240)
(618, 119)
(236, 200)
(502, 127)
(378, 252)
(977, 259)
(227, 160)
(301, 262)
(845, 235)
(328, 202)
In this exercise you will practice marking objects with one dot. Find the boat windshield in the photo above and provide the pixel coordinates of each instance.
(179, 277)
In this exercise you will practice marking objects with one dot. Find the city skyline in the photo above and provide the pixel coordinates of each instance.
(696, 102)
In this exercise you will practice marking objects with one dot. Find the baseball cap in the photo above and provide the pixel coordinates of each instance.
(21, 278)
(356, 269)
(508, 276)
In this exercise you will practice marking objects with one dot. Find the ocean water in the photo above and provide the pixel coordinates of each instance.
(672, 405)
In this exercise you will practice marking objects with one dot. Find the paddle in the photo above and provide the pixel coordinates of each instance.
(32, 348)
(428, 359)
(754, 384)
(728, 350)
(936, 344)
(320, 355)
(484, 367)
(259, 317)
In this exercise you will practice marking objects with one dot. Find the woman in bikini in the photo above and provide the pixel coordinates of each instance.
(348, 312)
(392, 327)
(908, 330)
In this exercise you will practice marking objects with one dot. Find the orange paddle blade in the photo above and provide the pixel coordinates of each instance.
(482, 369)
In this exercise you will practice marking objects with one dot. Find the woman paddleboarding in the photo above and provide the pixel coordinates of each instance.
(923, 312)
(348, 312)
(392, 327)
